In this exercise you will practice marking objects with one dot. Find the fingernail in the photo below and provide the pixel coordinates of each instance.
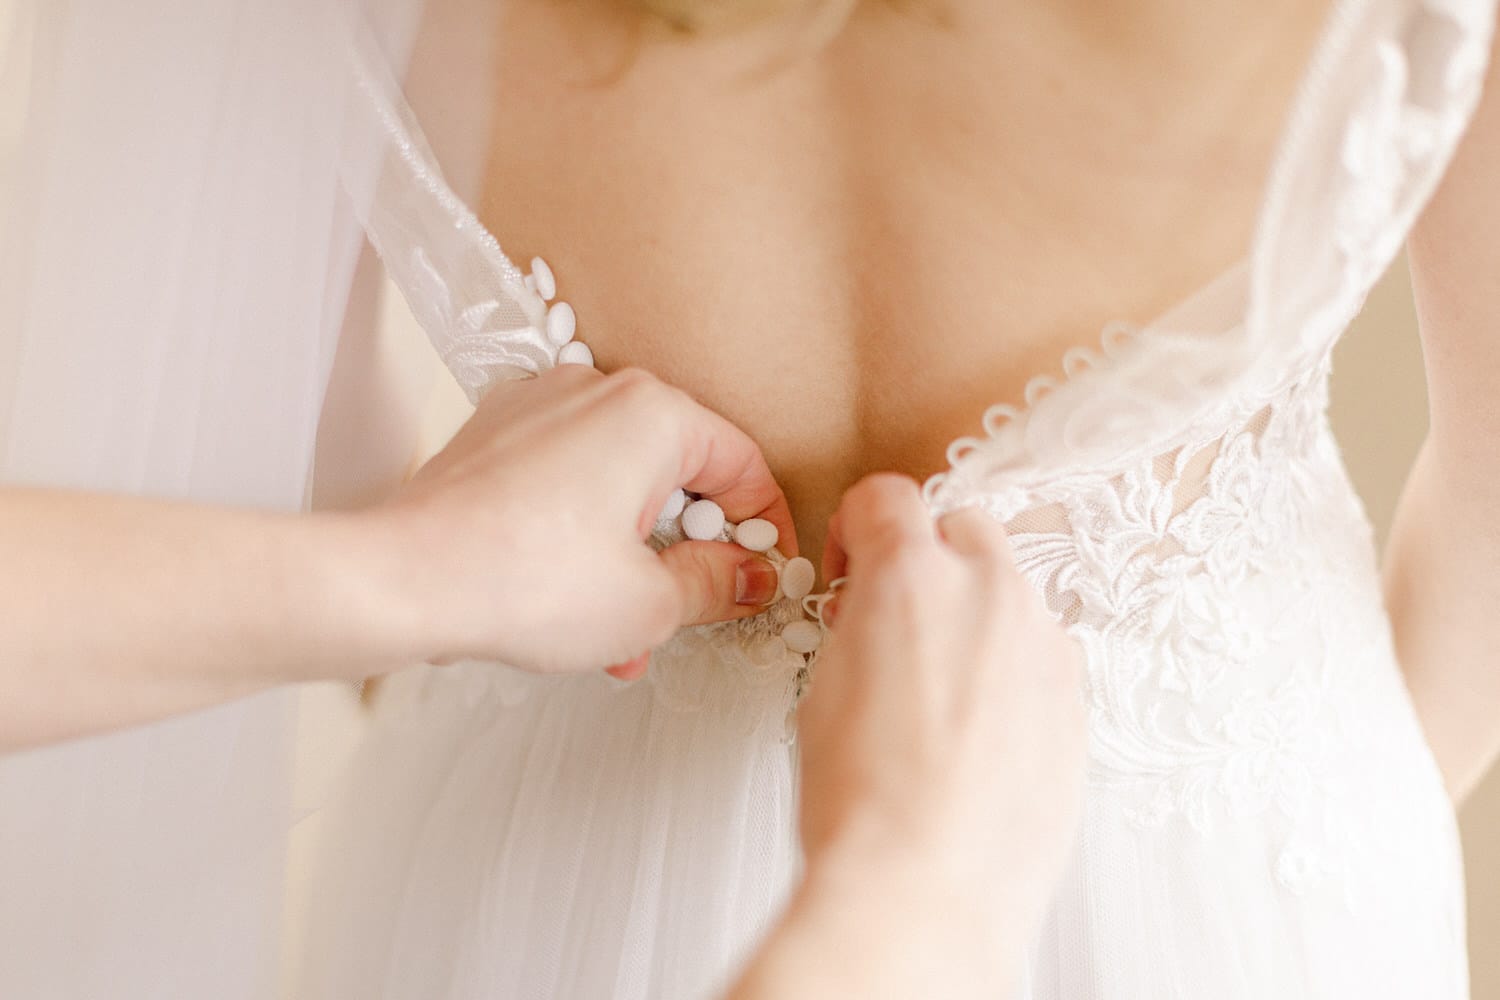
(755, 582)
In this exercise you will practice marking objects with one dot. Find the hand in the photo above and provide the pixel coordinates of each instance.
(523, 540)
(943, 738)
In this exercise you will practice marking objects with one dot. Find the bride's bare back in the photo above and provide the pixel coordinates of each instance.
(852, 242)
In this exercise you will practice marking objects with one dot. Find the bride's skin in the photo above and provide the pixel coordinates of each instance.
(852, 245)
(851, 236)
(1442, 576)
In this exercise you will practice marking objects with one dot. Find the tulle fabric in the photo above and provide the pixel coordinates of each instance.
(175, 252)
(508, 836)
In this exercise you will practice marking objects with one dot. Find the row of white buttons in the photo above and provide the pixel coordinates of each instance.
(559, 322)
(702, 520)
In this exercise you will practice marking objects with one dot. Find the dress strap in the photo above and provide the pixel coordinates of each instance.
(487, 320)
(1389, 92)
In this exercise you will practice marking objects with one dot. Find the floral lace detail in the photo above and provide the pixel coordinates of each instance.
(742, 670)
(482, 315)
(480, 345)
(1230, 644)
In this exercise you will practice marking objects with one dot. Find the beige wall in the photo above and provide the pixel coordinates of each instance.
(1380, 414)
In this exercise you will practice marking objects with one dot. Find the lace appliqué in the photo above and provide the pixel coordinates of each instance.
(479, 342)
(1219, 650)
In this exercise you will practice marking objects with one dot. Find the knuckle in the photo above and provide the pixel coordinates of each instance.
(653, 404)
(564, 373)
(633, 378)
(638, 387)
(882, 506)
(882, 489)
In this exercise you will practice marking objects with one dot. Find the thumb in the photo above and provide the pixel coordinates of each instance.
(718, 581)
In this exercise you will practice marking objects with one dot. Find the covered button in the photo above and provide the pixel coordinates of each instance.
(546, 284)
(797, 578)
(802, 637)
(703, 520)
(674, 505)
(756, 534)
(576, 353)
(562, 323)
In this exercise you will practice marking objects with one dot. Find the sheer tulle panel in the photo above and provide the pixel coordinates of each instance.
(504, 835)
(1162, 490)
(1264, 817)
(1179, 914)
(174, 256)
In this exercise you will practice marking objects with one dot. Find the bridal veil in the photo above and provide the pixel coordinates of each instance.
(177, 240)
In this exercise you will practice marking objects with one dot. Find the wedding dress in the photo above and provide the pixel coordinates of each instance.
(1263, 817)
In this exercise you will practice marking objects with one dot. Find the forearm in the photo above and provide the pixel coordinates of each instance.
(1442, 583)
(120, 610)
(1443, 568)
(885, 929)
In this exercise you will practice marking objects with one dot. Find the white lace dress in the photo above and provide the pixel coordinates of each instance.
(1263, 818)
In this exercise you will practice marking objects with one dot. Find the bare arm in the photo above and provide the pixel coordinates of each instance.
(116, 610)
(120, 610)
(889, 923)
(1442, 574)
(942, 764)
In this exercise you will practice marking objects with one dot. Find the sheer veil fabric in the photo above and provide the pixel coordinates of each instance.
(176, 243)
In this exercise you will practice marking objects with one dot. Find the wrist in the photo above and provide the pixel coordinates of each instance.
(917, 894)
(367, 584)
(878, 924)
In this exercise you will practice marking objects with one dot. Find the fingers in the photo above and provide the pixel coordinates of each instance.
(631, 670)
(721, 462)
(971, 532)
(880, 512)
(696, 583)
(717, 581)
(692, 447)
(835, 556)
